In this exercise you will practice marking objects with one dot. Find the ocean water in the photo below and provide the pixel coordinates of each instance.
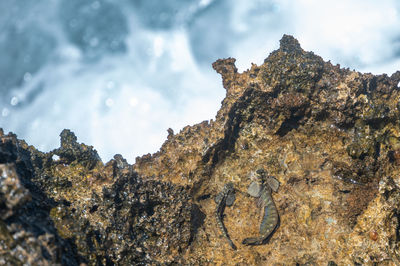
(120, 73)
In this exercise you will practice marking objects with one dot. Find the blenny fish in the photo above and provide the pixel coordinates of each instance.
(225, 198)
(270, 217)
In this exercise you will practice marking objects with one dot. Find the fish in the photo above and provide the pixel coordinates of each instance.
(270, 216)
(225, 198)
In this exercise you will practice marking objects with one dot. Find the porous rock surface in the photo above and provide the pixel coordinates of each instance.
(331, 136)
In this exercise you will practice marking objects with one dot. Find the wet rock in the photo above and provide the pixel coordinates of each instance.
(328, 135)
(71, 151)
(12, 193)
(27, 234)
(106, 214)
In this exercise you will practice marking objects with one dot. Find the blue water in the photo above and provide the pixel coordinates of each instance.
(120, 73)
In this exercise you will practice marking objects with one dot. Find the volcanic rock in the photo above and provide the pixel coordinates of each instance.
(330, 136)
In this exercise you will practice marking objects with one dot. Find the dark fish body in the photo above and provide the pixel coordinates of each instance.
(269, 221)
(225, 198)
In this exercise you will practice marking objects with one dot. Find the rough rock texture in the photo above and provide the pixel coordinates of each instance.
(331, 137)
(27, 232)
(77, 210)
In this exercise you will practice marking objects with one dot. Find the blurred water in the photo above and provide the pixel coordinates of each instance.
(119, 74)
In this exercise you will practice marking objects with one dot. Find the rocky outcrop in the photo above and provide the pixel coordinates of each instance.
(330, 136)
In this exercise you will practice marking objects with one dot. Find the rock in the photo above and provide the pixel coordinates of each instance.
(27, 234)
(12, 193)
(330, 137)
